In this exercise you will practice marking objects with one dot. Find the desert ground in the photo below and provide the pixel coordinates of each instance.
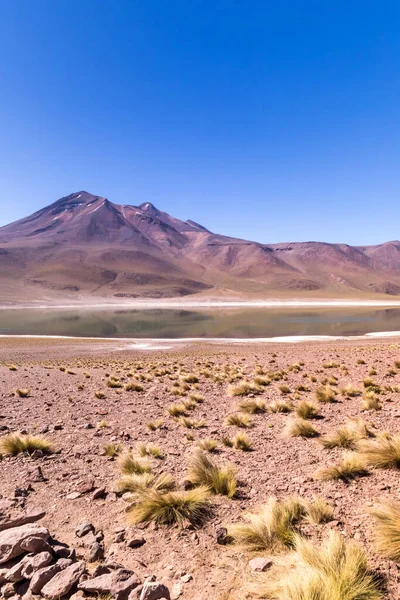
(112, 410)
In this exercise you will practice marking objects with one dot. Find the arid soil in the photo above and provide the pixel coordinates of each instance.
(63, 377)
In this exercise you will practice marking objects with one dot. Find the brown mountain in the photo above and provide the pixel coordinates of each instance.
(85, 245)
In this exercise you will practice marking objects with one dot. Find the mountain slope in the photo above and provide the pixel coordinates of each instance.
(86, 245)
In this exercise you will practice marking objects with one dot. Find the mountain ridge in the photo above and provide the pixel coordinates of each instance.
(84, 244)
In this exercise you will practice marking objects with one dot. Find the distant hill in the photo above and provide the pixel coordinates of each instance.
(84, 245)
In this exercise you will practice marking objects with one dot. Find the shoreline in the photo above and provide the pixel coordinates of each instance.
(160, 343)
(278, 303)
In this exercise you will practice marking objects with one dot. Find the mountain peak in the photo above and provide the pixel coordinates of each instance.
(148, 207)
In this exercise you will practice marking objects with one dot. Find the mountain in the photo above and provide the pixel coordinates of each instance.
(84, 245)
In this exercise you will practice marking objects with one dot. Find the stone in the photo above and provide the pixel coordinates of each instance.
(96, 552)
(36, 474)
(7, 590)
(119, 584)
(99, 493)
(35, 544)
(260, 564)
(154, 590)
(221, 536)
(73, 496)
(83, 528)
(177, 590)
(85, 485)
(134, 540)
(11, 539)
(38, 561)
(64, 551)
(15, 573)
(186, 578)
(64, 581)
(43, 576)
(7, 522)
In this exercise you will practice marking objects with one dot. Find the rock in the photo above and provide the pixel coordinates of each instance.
(23, 492)
(43, 576)
(221, 535)
(64, 581)
(83, 528)
(73, 496)
(154, 590)
(96, 552)
(37, 454)
(7, 591)
(85, 485)
(15, 573)
(36, 475)
(134, 540)
(177, 590)
(35, 544)
(87, 540)
(77, 596)
(119, 584)
(99, 493)
(186, 578)
(101, 570)
(11, 540)
(260, 564)
(38, 561)
(22, 519)
(64, 551)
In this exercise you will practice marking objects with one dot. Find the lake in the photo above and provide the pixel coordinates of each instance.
(198, 323)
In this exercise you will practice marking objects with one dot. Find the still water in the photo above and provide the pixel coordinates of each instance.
(198, 323)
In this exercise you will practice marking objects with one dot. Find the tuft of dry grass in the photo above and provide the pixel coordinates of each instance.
(138, 482)
(271, 528)
(129, 465)
(350, 466)
(170, 508)
(15, 443)
(154, 425)
(244, 388)
(319, 511)
(280, 406)
(325, 394)
(208, 444)
(387, 529)
(349, 391)
(114, 382)
(190, 423)
(133, 386)
(333, 570)
(100, 395)
(383, 452)
(150, 450)
(238, 420)
(343, 437)
(176, 410)
(284, 389)
(371, 401)
(112, 450)
(301, 428)
(252, 406)
(204, 472)
(242, 442)
(307, 410)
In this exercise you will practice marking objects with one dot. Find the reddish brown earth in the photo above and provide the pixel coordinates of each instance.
(84, 245)
(278, 465)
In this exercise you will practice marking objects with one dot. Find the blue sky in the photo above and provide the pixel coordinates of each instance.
(274, 121)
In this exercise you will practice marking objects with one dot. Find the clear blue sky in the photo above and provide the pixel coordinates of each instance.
(274, 121)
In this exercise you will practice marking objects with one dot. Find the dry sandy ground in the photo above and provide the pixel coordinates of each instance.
(278, 465)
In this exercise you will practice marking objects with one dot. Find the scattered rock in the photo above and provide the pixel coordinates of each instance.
(96, 552)
(64, 581)
(260, 564)
(11, 539)
(99, 493)
(35, 544)
(117, 583)
(43, 576)
(154, 590)
(83, 528)
(7, 522)
(38, 561)
(221, 536)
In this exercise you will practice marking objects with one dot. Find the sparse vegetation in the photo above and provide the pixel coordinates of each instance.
(175, 507)
(242, 442)
(387, 529)
(349, 467)
(16, 443)
(204, 472)
(238, 420)
(307, 410)
(325, 394)
(301, 428)
(383, 452)
(280, 406)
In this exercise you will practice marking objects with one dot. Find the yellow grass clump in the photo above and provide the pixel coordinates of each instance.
(387, 529)
(350, 466)
(301, 428)
(383, 452)
(204, 472)
(16, 443)
(175, 507)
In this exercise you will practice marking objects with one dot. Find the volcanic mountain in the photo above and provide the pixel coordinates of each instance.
(84, 245)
